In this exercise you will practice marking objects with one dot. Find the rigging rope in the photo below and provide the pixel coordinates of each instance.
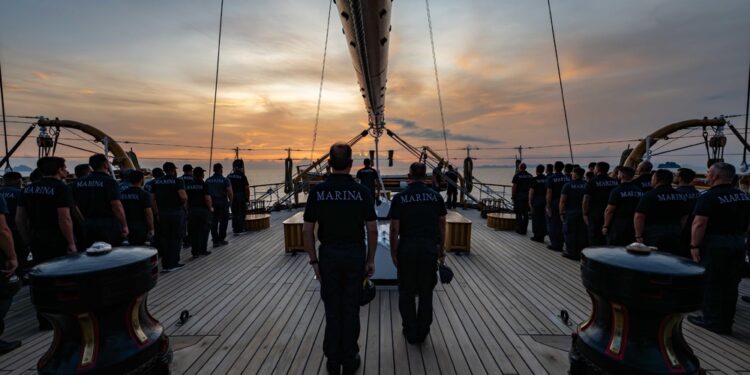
(216, 86)
(437, 79)
(747, 115)
(5, 127)
(322, 76)
(559, 76)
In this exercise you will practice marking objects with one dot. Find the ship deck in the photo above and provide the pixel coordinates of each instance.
(257, 310)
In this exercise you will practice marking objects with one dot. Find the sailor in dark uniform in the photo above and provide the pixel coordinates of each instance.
(368, 176)
(520, 194)
(571, 213)
(537, 203)
(661, 214)
(220, 190)
(685, 177)
(550, 170)
(11, 191)
(241, 189)
(199, 209)
(417, 236)
(8, 264)
(155, 173)
(592, 168)
(124, 182)
(555, 183)
(137, 205)
(97, 196)
(437, 179)
(618, 217)
(644, 175)
(568, 171)
(187, 176)
(595, 202)
(168, 201)
(43, 216)
(452, 189)
(342, 208)
(722, 217)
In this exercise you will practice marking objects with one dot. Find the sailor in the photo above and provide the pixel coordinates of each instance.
(155, 173)
(10, 192)
(595, 202)
(550, 170)
(368, 176)
(241, 189)
(97, 196)
(555, 183)
(537, 203)
(80, 171)
(8, 266)
(592, 168)
(137, 205)
(618, 216)
(520, 194)
(168, 198)
(437, 179)
(661, 214)
(199, 209)
(452, 193)
(124, 182)
(644, 175)
(589, 176)
(417, 236)
(43, 216)
(220, 190)
(722, 216)
(571, 213)
(685, 177)
(342, 209)
(568, 171)
(187, 176)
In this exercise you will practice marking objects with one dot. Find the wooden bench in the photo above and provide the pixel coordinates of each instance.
(256, 207)
(293, 239)
(257, 222)
(457, 232)
(501, 221)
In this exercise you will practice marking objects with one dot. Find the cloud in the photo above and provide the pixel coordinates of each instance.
(411, 129)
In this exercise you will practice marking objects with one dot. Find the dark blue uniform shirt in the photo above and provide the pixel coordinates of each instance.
(166, 190)
(135, 201)
(418, 209)
(217, 188)
(644, 181)
(94, 194)
(727, 209)
(41, 201)
(663, 205)
(555, 182)
(539, 184)
(10, 194)
(239, 182)
(574, 191)
(341, 207)
(523, 181)
(367, 177)
(691, 193)
(625, 198)
(196, 192)
(599, 189)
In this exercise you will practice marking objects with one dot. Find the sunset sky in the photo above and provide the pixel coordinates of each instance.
(144, 71)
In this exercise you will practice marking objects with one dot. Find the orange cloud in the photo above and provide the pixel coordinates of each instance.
(41, 75)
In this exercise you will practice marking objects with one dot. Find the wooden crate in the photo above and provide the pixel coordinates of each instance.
(257, 222)
(293, 238)
(457, 232)
(501, 221)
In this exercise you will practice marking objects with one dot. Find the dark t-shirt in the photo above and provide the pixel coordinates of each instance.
(436, 172)
(625, 198)
(196, 192)
(94, 194)
(418, 210)
(663, 205)
(453, 176)
(10, 194)
(644, 181)
(555, 182)
(41, 201)
(367, 177)
(341, 207)
(691, 193)
(574, 191)
(727, 209)
(166, 190)
(239, 182)
(135, 201)
(217, 188)
(599, 189)
(539, 184)
(149, 185)
(523, 181)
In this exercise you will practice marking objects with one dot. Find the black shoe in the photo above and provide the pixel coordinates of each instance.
(178, 265)
(351, 367)
(746, 299)
(698, 320)
(217, 244)
(206, 253)
(333, 367)
(7, 346)
(225, 242)
(569, 256)
(552, 248)
(540, 240)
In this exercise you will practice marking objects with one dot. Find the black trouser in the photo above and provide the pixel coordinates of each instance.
(239, 210)
(5, 302)
(665, 237)
(576, 236)
(521, 208)
(219, 222)
(22, 252)
(341, 276)
(452, 200)
(137, 233)
(620, 232)
(105, 229)
(170, 240)
(45, 246)
(596, 222)
(185, 229)
(198, 229)
(555, 227)
(723, 257)
(539, 218)
(417, 277)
